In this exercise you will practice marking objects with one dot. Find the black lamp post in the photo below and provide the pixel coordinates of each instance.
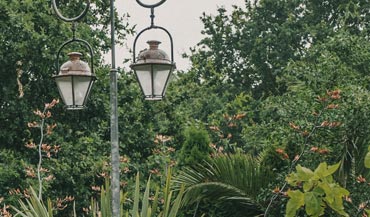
(153, 69)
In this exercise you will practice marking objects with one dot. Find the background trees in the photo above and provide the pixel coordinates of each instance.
(261, 81)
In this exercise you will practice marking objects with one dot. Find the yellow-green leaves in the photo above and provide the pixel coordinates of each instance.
(315, 190)
(367, 159)
(323, 170)
(302, 174)
(295, 202)
(314, 204)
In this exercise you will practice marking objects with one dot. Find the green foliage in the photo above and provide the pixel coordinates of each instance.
(102, 207)
(367, 159)
(34, 207)
(30, 36)
(250, 47)
(267, 62)
(144, 205)
(236, 178)
(311, 139)
(195, 148)
(316, 191)
(171, 204)
(10, 173)
(340, 62)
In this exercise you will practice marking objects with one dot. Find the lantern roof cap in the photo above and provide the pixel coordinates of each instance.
(75, 66)
(74, 53)
(153, 55)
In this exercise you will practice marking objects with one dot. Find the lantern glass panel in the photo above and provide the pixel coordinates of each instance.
(144, 76)
(160, 74)
(82, 86)
(74, 90)
(65, 89)
(153, 78)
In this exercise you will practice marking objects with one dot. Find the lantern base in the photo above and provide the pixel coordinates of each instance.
(153, 98)
(75, 107)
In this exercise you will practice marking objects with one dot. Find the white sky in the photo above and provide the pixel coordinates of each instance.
(179, 17)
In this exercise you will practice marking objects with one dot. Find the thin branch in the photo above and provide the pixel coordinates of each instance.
(40, 154)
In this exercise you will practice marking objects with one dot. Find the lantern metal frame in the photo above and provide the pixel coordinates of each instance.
(75, 40)
(153, 26)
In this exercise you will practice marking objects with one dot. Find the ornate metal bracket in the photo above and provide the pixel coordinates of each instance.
(150, 5)
(66, 19)
(74, 39)
(152, 26)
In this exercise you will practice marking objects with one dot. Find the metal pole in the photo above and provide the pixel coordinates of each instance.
(115, 182)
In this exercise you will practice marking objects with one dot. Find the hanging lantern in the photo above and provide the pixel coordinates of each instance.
(74, 82)
(153, 69)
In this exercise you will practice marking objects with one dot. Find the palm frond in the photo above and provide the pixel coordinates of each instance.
(237, 178)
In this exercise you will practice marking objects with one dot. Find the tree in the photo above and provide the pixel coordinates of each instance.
(30, 36)
(251, 47)
(339, 62)
(195, 148)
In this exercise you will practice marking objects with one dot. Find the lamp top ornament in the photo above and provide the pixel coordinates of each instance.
(153, 55)
(75, 66)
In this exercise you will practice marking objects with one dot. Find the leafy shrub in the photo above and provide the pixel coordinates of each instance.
(195, 148)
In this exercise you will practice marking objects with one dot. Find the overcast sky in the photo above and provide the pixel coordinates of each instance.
(179, 17)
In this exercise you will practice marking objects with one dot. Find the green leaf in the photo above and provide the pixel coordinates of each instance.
(33, 207)
(135, 209)
(367, 159)
(155, 202)
(303, 173)
(313, 204)
(145, 209)
(295, 202)
(336, 195)
(177, 203)
(329, 194)
(307, 186)
(323, 170)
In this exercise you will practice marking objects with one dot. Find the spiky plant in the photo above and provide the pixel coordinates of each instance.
(34, 207)
(142, 205)
(236, 178)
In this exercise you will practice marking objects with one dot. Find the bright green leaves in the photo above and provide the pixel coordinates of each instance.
(323, 170)
(295, 202)
(304, 174)
(367, 211)
(319, 191)
(334, 196)
(367, 159)
(314, 204)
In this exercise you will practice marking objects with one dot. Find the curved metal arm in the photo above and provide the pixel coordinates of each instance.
(78, 41)
(146, 29)
(79, 17)
(152, 5)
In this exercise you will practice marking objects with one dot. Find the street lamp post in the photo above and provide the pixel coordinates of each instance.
(152, 68)
(114, 134)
